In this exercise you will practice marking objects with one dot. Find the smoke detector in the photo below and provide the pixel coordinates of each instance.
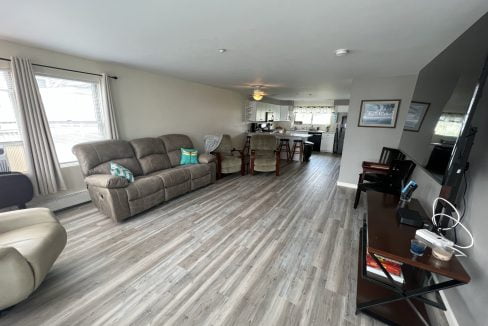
(342, 52)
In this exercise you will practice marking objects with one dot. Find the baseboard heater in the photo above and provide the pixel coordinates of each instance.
(62, 201)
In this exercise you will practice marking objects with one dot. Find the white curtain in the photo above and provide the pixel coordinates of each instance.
(113, 132)
(41, 155)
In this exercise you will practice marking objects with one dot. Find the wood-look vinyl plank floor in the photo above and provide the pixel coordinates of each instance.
(252, 250)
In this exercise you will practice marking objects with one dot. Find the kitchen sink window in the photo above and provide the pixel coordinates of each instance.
(313, 116)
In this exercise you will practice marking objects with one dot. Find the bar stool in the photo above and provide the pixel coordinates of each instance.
(284, 146)
(246, 150)
(247, 146)
(298, 148)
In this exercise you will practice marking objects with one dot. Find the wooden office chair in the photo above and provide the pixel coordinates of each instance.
(391, 183)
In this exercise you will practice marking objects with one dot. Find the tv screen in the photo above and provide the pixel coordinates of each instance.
(441, 99)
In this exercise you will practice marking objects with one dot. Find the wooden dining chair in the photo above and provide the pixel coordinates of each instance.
(375, 171)
(391, 183)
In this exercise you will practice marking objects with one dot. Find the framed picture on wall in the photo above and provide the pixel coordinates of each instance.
(379, 113)
(415, 116)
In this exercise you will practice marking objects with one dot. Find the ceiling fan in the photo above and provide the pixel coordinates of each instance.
(258, 92)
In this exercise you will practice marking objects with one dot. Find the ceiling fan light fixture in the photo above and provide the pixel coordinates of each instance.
(257, 97)
(257, 94)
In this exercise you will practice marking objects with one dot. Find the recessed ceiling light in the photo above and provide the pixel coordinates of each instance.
(342, 52)
(222, 50)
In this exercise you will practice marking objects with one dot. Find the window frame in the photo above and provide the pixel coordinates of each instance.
(75, 76)
(460, 115)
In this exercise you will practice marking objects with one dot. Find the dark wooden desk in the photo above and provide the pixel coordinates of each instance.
(387, 301)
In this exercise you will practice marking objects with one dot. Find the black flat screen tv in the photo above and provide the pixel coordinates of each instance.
(440, 127)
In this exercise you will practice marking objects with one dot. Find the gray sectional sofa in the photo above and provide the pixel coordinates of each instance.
(155, 163)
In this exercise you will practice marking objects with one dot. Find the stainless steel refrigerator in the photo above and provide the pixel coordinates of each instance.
(340, 132)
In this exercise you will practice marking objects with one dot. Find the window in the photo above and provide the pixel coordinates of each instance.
(12, 156)
(74, 112)
(322, 118)
(314, 115)
(305, 118)
(449, 124)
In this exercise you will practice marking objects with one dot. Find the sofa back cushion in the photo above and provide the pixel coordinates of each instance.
(151, 154)
(173, 144)
(95, 157)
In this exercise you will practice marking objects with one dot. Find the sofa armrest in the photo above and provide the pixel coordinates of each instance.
(25, 217)
(106, 181)
(206, 158)
(17, 281)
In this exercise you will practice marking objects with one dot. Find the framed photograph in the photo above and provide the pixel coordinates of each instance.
(379, 113)
(415, 116)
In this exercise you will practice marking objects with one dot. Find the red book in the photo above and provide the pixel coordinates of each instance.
(392, 267)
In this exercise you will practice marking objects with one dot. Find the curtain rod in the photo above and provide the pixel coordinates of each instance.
(71, 70)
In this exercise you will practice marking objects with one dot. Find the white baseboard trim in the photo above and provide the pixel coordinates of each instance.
(450, 317)
(347, 185)
(62, 201)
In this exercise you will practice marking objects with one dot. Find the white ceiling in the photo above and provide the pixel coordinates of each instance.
(289, 43)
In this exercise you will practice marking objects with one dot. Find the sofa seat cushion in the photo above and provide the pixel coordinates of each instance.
(196, 170)
(172, 177)
(40, 244)
(143, 186)
(264, 164)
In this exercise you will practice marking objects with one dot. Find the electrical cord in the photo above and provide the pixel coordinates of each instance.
(465, 177)
(457, 221)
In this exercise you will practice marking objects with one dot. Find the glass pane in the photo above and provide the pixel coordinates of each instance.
(322, 118)
(73, 111)
(305, 118)
(12, 156)
(449, 125)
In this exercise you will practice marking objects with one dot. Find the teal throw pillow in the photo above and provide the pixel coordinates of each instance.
(120, 171)
(189, 156)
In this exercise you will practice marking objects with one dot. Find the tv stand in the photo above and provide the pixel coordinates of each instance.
(382, 298)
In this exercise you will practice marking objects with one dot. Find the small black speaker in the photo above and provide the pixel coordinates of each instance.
(410, 217)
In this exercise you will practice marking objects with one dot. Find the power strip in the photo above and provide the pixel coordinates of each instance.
(433, 239)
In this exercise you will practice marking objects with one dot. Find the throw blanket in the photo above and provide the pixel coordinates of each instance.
(212, 142)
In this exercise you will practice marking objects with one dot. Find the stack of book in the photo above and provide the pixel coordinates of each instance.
(394, 268)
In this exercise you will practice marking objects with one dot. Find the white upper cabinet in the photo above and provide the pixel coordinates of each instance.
(284, 113)
(256, 112)
(250, 111)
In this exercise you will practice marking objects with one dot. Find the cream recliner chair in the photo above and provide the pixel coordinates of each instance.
(229, 159)
(264, 155)
(30, 241)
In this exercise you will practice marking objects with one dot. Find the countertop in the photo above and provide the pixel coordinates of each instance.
(284, 135)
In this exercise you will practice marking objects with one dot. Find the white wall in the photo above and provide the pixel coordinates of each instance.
(468, 302)
(365, 144)
(150, 104)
